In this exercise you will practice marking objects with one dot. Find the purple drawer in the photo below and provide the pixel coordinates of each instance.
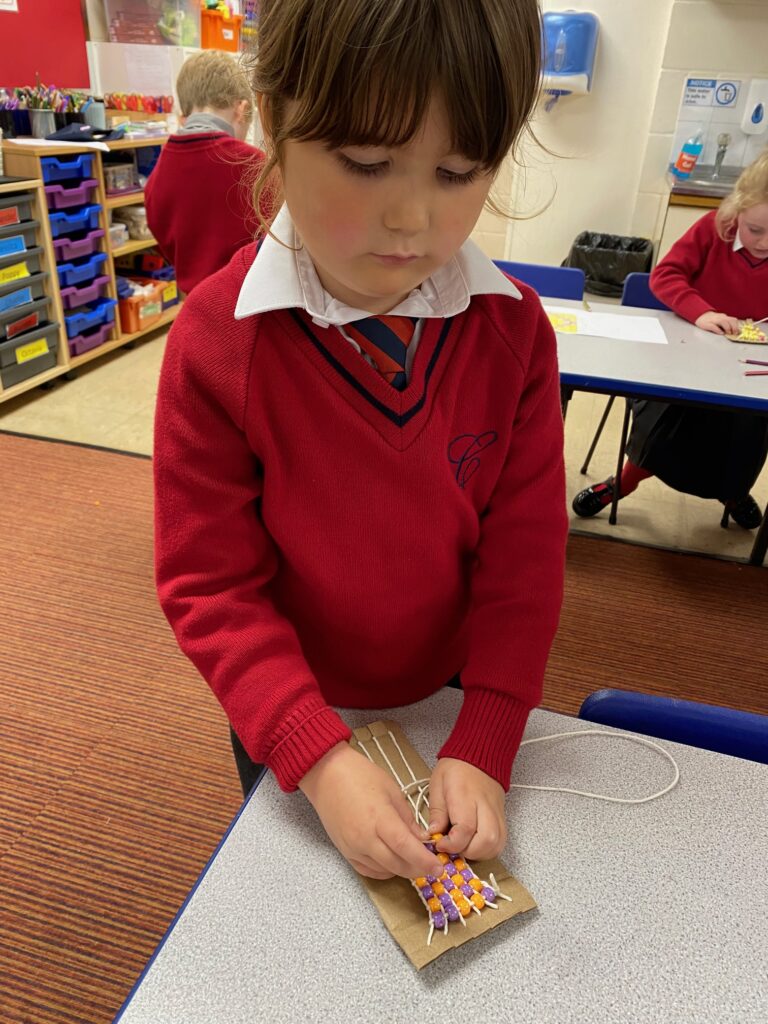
(66, 249)
(85, 342)
(59, 197)
(73, 297)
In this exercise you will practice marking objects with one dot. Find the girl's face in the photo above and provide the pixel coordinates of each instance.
(753, 230)
(378, 221)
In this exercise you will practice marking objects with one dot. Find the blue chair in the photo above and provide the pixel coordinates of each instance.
(738, 733)
(549, 282)
(637, 292)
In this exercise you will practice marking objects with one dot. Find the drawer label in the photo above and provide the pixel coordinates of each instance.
(170, 292)
(32, 350)
(9, 215)
(13, 273)
(25, 324)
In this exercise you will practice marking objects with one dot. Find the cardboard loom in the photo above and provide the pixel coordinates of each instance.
(396, 900)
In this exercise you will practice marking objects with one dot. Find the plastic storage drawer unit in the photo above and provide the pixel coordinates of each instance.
(28, 354)
(59, 197)
(91, 339)
(79, 273)
(18, 237)
(74, 248)
(69, 169)
(18, 293)
(23, 318)
(81, 220)
(73, 297)
(87, 317)
(15, 208)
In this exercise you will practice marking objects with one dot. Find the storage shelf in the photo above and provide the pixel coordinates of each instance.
(127, 199)
(134, 246)
(167, 318)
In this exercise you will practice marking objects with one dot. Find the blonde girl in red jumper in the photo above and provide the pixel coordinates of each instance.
(714, 276)
(358, 458)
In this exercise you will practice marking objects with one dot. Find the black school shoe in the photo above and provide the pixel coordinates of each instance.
(745, 512)
(594, 499)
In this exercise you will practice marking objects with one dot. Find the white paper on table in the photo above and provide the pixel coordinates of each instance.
(53, 143)
(618, 326)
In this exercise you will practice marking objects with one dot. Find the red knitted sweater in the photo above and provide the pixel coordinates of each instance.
(324, 539)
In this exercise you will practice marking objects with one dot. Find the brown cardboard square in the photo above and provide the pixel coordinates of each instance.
(400, 907)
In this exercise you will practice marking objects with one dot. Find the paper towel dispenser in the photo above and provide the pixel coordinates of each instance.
(568, 58)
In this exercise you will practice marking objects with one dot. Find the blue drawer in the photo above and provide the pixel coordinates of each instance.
(70, 169)
(92, 315)
(85, 219)
(81, 270)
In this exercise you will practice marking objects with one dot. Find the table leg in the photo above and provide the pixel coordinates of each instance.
(620, 463)
(757, 555)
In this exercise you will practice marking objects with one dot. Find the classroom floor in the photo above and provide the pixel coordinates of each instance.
(110, 404)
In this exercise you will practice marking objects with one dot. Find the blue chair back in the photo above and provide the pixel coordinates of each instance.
(738, 733)
(549, 282)
(637, 292)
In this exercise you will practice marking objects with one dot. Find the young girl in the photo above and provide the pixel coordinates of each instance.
(359, 475)
(714, 276)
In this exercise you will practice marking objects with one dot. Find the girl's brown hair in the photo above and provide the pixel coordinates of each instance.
(363, 72)
(750, 190)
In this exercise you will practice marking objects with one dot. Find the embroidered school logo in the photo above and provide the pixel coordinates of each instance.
(464, 453)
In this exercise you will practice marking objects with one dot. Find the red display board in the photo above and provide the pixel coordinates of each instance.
(45, 37)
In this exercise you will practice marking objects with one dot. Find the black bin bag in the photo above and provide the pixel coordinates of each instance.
(607, 259)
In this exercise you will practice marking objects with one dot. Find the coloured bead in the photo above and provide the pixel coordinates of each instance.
(466, 874)
(467, 890)
(438, 888)
(436, 837)
(420, 881)
(460, 864)
(445, 899)
(431, 847)
(457, 879)
(443, 858)
(438, 919)
(478, 900)
(431, 879)
(476, 884)
(452, 913)
(434, 903)
(465, 910)
(488, 893)
(426, 891)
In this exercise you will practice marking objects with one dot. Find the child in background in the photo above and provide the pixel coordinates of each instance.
(714, 276)
(358, 455)
(198, 197)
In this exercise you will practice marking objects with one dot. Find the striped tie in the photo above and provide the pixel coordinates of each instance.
(385, 340)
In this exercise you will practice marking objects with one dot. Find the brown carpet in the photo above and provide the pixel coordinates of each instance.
(117, 780)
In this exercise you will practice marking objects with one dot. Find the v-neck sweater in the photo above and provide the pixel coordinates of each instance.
(702, 272)
(324, 539)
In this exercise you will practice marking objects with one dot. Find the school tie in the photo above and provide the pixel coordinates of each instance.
(385, 340)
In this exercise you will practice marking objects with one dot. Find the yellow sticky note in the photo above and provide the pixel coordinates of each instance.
(13, 273)
(170, 292)
(563, 322)
(31, 350)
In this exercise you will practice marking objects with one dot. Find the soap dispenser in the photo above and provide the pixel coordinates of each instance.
(755, 119)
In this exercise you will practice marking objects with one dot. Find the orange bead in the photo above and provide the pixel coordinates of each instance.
(443, 858)
(457, 879)
(434, 903)
(465, 910)
(438, 888)
(421, 881)
(477, 899)
(445, 878)
(437, 836)
(460, 864)
(476, 884)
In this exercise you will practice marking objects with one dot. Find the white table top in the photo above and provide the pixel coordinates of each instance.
(648, 914)
(694, 366)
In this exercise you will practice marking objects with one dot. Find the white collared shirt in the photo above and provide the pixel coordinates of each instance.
(284, 277)
(737, 242)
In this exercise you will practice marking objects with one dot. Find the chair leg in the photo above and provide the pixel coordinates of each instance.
(598, 432)
(620, 463)
(566, 394)
(757, 556)
(725, 518)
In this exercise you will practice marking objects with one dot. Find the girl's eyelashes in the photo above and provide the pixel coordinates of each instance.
(376, 169)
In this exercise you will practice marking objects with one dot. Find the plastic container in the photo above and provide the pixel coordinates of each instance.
(28, 354)
(60, 197)
(18, 265)
(120, 178)
(74, 248)
(68, 169)
(90, 339)
(23, 318)
(15, 208)
(219, 32)
(79, 220)
(688, 156)
(84, 318)
(118, 235)
(135, 218)
(607, 259)
(18, 237)
(18, 293)
(73, 297)
(139, 312)
(82, 271)
(170, 292)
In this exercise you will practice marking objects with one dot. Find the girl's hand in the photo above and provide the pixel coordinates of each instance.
(473, 803)
(367, 817)
(718, 323)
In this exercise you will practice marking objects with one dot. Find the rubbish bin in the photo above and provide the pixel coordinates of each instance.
(607, 259)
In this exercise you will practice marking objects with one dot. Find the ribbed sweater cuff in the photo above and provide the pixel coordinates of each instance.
(488, 732)
(692, 308)
(302, 748)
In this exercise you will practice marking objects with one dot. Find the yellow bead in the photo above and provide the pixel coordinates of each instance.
(438, 888)
(478, 900)
(443, 858)
(420, 881)
(434, 903)
(465, 910)
(457, 879)
(460, 864)
(476, 884)
(437, 836)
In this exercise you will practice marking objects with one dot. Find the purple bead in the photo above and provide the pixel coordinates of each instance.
(468, 890)
(452, 914)
(466, 874)
(426, 892)
(431, 847)
(445, 899)
(431, 879)
(488, 894)
(450, 867)
(438, 919)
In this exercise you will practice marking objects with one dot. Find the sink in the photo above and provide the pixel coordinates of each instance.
(702, 182)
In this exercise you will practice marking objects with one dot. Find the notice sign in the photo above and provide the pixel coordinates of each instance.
(710, 92)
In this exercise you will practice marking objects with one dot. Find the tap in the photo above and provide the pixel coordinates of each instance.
(723, 142)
